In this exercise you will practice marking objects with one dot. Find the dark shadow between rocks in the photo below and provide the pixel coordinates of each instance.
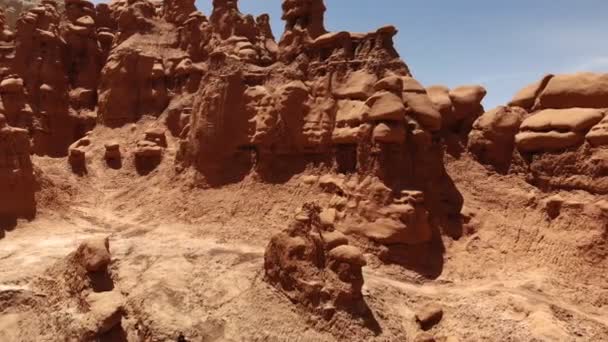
(116, 334)
(7, 224)
(101, 281)
(365, 313)
(280, 169)
(424, 259)
(114, 163)
(146, 164)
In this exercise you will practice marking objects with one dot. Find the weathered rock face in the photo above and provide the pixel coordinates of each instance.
(241, 36)
(178, 11)
(561, 132)
(131, 72)
(17, 182)
(316, 268)
(346, 101)
(304, 22)
(58, 57)
(5, 33)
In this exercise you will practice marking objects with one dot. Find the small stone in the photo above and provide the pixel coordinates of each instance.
(95, 254)
(429, 316)
(349, 254)
(328, 217)
(156, 135)
(554, 205)
(334, 239)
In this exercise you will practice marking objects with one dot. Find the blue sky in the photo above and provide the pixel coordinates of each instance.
(503, 45)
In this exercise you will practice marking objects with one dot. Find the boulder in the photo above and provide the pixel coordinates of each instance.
(347, 254)
(492, 139)
(420, 106)
(411, 85)
(357, 85)
(157, 136)
(112, 151)
(556, 129)
(334, 239)
(467, 100)
(386, 106)
(573, 119)
(585, 90)
(393, 84)
(440, 96)
(526, 97)
(598, 135)
(106, 310)
(389, 133)
(547, 141)
(346, 135)
(429, 316)
(389, 231)
(77, 160)
(351, 111)
(94, 254)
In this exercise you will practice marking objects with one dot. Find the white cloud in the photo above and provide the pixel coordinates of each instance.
(592, 64)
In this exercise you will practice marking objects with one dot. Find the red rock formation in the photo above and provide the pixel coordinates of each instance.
(141, 75)
(558, 125)
(316, 268)
(17, 182)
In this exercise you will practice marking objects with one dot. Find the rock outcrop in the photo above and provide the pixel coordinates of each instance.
(315, 267)
(17, 181)
(558, 125)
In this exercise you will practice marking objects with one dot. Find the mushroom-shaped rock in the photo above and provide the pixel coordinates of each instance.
(386, 106)
(420, 106)
(466, 100)
(11, 85)
(348, 254)
(77, 159)
(112, 150)
(492, 139)
(440, 96)
(94, 254)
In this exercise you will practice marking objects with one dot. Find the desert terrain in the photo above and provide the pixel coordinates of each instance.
(169, 175)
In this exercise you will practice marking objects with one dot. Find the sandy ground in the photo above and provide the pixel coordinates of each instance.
(514, 276)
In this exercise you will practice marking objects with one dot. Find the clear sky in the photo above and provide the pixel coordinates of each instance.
(502, 44)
